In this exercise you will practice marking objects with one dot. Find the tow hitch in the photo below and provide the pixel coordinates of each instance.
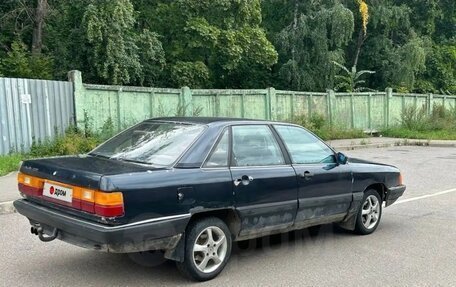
(38, 230)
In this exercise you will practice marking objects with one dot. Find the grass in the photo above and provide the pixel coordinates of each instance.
(402, 132)
(318, 125)
(9, 163)
(416, 123)
(334, 133)
(72, 142)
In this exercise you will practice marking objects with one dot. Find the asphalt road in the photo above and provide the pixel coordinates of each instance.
(415, 245)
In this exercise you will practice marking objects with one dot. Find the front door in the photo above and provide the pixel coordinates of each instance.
(264, 185)
(325, 187)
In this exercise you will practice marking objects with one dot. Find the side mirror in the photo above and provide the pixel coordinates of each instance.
(341, 158)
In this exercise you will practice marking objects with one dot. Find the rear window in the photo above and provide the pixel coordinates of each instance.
(154, 143)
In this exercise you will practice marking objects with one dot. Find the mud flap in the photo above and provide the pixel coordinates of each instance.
(178, 252)
(350, 220)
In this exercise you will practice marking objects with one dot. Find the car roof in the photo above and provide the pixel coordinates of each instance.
(209, 120)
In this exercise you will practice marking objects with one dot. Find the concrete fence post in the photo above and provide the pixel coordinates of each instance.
(75, 77)
(387, 106)
(430, 99)
(272, 102)
(369, 111)
(352, 111)
(330, 102)
(309, 106)
(119, 110)
(187, 101)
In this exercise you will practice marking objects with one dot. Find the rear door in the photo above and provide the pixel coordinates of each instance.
(325, 187)
(264, 184)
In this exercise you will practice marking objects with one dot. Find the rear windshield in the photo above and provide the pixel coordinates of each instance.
(154, 143)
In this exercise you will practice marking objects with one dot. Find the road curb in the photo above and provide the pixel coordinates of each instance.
(354, 147)
(398, 143)
(7, 207)
(8, 174)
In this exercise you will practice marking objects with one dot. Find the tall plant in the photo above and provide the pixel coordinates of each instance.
(350, 80)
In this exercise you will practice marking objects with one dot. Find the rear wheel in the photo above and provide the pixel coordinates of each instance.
(207, 249)
(369, 214)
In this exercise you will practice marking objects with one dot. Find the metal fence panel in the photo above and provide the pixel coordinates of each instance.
(33, 110)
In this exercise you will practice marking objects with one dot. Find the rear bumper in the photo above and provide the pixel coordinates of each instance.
(153, 234)
(393, 193)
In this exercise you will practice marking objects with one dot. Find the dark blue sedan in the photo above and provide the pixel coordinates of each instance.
(192, 186)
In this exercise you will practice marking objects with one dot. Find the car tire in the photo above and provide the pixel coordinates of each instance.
(369, 214)
(208, 245)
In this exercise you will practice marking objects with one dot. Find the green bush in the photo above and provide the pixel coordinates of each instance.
(418, 123)
(417, 119)
(72, 142)
(20, 63)
(318, 125)
(107, 130)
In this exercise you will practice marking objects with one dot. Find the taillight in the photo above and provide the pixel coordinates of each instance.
(400, 179)
(30, 185)
(109, 204)
(106, 204)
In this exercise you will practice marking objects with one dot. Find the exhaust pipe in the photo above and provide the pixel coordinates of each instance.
(34, 230)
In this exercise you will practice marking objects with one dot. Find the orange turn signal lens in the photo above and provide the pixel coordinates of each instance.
(29, 180)
(104, 198)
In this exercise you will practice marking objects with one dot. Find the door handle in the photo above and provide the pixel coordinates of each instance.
(244, 180)
(307, 175)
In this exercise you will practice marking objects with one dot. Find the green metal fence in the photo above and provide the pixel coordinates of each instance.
(125, 105)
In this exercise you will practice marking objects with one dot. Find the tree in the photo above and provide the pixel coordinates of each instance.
(114, 53)
(40, 14)
(362, 34)
(393, 48)
(288, 44)
(314, 39)
(211, 43)
(20, 63)
(17, 27)
(440, 73)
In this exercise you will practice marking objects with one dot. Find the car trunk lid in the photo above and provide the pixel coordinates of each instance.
(83, 171)
(80, 183)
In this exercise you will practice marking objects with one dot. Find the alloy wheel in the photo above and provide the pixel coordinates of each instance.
(209, 249)
(370, 211)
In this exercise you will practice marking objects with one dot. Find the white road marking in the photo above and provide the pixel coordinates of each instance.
(425, 196)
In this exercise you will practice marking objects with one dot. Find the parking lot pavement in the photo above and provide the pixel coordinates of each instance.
(425, 169)
(8, 187)
(414, 245)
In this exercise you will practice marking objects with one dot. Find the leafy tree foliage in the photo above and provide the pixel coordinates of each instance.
(311, 43)
(288, 44)
(211, 43)
(21, 63)
(114, 51)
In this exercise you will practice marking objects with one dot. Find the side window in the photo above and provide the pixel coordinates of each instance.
(303, 146)
(219, 155)
(255, 145)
